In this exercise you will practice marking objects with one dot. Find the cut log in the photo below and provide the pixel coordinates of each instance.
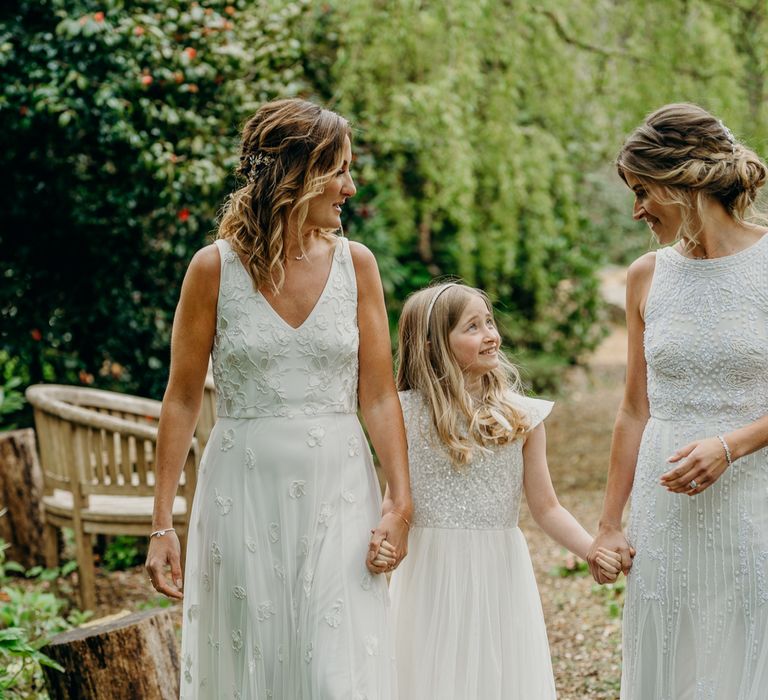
(132, 657)
(21, 492)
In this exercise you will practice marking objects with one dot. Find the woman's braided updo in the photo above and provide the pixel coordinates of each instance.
(685, 152)
(290, 150)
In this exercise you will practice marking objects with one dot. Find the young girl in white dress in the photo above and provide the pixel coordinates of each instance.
(468, 618)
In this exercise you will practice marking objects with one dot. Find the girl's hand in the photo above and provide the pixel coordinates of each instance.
(609, 540)
(394, 530)
(699, 465)
(163, 551)
(386, 558)
(609, 562)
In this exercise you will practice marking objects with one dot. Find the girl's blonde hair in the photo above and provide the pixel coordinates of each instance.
(684, 154)
(427, 365)
(290, 150)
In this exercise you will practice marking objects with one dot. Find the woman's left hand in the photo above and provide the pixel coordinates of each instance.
(394, 530)
(699, 465)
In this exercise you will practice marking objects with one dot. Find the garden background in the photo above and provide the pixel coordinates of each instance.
(484, 135)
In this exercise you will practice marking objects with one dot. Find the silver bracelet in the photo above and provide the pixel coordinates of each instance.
(727, 449)
(160, 533)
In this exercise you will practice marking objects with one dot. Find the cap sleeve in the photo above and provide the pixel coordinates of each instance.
(537, 409)
(408, 401)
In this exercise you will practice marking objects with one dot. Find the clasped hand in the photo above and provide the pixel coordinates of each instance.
(388, 545)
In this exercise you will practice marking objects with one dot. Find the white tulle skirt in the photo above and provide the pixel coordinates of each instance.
(468, 618)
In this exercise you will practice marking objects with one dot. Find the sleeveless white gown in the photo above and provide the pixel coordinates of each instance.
(468, 617)
(278, 604)
(696, 613)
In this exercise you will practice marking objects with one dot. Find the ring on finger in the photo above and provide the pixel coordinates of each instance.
(692, 484)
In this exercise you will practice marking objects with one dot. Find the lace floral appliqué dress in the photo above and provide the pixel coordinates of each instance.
(468, 617)
(696, 612)
(278, 603)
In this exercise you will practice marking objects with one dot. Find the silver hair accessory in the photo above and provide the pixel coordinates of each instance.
(257, 162)
(728, 133)
(435, 298)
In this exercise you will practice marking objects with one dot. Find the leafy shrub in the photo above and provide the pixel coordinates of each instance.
(123, 552)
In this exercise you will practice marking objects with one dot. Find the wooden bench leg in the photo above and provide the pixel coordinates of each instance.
(51, 545)
(85, 569)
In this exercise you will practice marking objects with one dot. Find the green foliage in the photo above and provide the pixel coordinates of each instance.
(11, 399)
(571, 566)
(613, 594)
(29, 617)
(119, 125)
(123, 552)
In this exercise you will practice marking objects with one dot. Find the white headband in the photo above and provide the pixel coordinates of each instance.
(435, 298)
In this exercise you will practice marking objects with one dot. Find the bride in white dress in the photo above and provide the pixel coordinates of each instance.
(691, 435)
(468, 618)
(281, 596)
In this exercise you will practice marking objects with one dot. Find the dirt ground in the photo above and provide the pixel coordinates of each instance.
(584, 637)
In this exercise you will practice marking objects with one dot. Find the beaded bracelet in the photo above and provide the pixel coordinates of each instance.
(160, 533)
(727, 449)
(401, 516)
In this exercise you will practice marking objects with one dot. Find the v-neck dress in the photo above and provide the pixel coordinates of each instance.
(278, 604)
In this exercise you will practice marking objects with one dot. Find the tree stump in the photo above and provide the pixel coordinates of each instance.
(133, 657)
(21, 492)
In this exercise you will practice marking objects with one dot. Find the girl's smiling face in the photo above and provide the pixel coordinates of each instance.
(474, 340)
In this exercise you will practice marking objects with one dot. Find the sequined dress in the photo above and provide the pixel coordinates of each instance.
(696, 612)
(278, 604)
(468, 617)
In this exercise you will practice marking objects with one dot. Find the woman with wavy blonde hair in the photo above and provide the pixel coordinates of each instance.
(468, 619)
(281, 594)
(690, 438)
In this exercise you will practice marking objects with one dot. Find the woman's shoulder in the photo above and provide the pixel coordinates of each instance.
(204, 269)
(641, 270)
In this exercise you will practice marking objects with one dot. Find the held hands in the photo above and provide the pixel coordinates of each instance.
(389, 543)
(699, 465)
(609, 554)
(165, 550)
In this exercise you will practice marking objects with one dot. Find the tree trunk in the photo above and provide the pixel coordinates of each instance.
(21, 492)
(135, 656)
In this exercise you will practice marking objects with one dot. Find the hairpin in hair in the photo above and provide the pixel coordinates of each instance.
(257, 162)
(728, 133)
(435, 298)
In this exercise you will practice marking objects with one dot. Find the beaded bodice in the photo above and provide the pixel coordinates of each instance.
(264, 367)
(706, 336)
(483, 495)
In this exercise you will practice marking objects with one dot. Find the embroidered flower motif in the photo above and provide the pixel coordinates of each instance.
(236, 694)
(255, 658)
(223, 504)
(216, 553)
(274, 533)
(213, 643)
(353, 444)
(309, 575)
(237, 640)
(367, 581)
(227, 440)
(316, 435)
(333, 616)
(188, 668)
(250, 459)
(206, 582)
(277, 567)
(372, 645)
(327, 511)
(308, 653)
(251, 544)
(304, 545)
(280, 653)
(239, 592)
(349, 497)
(297, 489)
(193, 613)
(265, 611)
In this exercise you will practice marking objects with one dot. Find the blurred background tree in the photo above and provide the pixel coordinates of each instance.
(484, 134)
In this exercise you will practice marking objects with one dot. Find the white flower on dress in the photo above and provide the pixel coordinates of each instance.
(213, 643)
(237, 640)
(372, 645)
(279, 570)
(327, 511)
(216, 553)
(193, 613)
(353, 443)
(274, 533)
(250, 459)
(206, 582)
(280, 653)
(308, 652)
(239, 592)
(227, 440)
(333, 616)
(304, 545)
(367, 581)
(349, 497)
(297, 489)
(316, 434)
(236, 694)
(309, 575)
(265, 611)
(188, 668)
(252, 545)
(223, 504)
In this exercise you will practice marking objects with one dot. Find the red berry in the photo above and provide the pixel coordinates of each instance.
(146, 79)
(183, 214)
(98, 16)
(36, 334)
